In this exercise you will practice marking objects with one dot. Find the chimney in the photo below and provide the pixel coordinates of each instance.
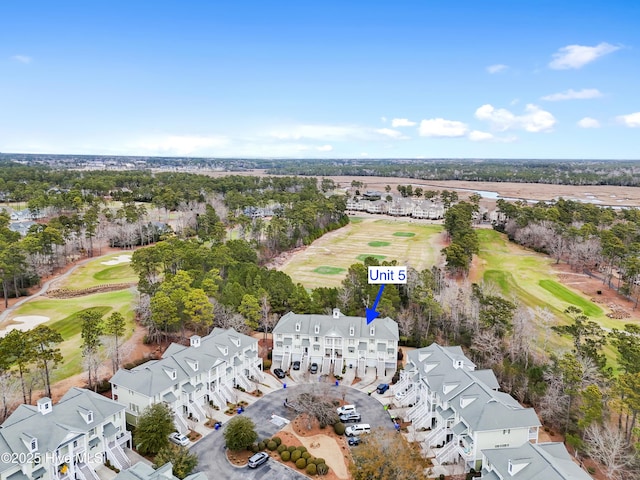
(336, 313)
(44, 405)
(194, 341)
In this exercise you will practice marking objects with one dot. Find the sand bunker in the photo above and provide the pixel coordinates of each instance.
(23, 323)
(117, 260)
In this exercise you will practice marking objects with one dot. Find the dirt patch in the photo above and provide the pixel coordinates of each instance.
(67, 293)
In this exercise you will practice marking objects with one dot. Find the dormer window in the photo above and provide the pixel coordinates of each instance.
(33, 445)
(89, 416)
(171, 373)
(298, 327)
(317, 329)
(372, 330)
(352, 331)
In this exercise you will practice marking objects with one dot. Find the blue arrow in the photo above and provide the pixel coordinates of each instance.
(371, 312)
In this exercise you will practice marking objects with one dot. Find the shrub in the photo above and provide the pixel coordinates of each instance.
(282, 448)
(302, 449)
(261, 446)
(322, 469)
(272, 445)
(278, 440)
(291, 449)
(301, 463)
(311, 469)
(254, 448)
(266, 364)
(295, 455)
(441, 477)
(285, 456)
(339, 428)
(306, 455)
(318, 461)
(591, 470)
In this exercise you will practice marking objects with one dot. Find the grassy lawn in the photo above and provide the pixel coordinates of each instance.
(63, 315)
(365, 255)
(96, 272)
(529, 277)
(419, 247)
(324, 270)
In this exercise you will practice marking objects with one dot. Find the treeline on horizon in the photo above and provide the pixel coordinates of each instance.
(556, 172)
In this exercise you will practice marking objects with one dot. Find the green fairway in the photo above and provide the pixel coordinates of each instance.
(63, 316)
(403, 234)
(378, 243)
(355, 219)
(418, 248)
(590, 309)
(326, 270)
(101, 271)
(365, 255)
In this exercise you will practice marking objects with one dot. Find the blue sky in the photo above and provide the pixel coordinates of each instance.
(322, 79)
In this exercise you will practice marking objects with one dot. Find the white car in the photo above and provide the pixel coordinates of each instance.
(179, 439)
(403, 393)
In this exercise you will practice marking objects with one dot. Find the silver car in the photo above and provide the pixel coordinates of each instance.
(179, 439)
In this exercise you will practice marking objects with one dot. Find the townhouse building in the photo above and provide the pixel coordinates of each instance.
(66, 441)
(142, 471)
(461, 407)
(191, 379)
(548, 461)
(336, 341)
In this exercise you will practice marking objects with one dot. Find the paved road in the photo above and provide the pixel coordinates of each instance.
(210, 449)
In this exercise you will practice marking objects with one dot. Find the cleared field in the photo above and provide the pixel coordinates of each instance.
(101, 271)
(418, 246)
(63, 317)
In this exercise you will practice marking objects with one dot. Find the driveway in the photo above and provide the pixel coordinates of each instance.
(210, 449)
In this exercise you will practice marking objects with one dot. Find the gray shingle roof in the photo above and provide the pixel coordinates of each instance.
(153, 377)
(385, 328)
(548, 461)
(64, 422)
(142, 471)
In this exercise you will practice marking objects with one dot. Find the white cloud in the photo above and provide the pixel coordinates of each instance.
(22, 58)
(630, 120)
(402, 122)
(588, 122)
(497, 68)
(439, 127)
(584, 94)
(577, 56)
(180, 144)
(389, 132)
(324, 148)
(478, 136)
(533, 120)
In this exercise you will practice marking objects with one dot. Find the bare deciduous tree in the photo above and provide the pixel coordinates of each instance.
(608, 447)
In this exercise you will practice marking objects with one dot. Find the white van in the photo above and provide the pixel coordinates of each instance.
(346, 409)
(357, 429)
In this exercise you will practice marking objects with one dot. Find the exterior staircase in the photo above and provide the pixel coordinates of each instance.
(180, 423)
(448, 453)
(85, 472)
(117, 457)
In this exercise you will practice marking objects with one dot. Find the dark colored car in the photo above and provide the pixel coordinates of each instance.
(258, 459)
(296, 365)
(350, 417)
(278, 372)
(354, 441)
(383, 387)
(313, 368)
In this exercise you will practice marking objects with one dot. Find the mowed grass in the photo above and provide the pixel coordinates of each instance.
(324, 270)
(529, 278)
(96, 273)
(64, 317)
(364, 256)
(378, 243)
(351, 244)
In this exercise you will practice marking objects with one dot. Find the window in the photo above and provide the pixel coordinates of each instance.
(297, 327)
(279, 336)
(34, 444)
(114, 387)
(501, 445)
(316, 348)
(279, 344)
(297, 337)
(352, 349)
(506, 432)
(372, 341)
(133, 407)
(372, 330)
(317, 329)
(89, 416)
(352, 331)
(316, 339)
(92, 432)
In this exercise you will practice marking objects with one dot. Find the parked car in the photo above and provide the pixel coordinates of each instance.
(346, 409)
(258, 459)
(357, 429)
(313, 368)
(179, 439)
(353, 441)
(383, 387)
(278, 372)
(350, 417)
(296, 365)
